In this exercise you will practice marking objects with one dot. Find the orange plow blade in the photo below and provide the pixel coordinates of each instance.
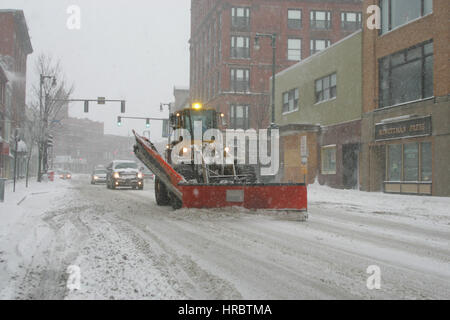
(280, 197)
(253, 196)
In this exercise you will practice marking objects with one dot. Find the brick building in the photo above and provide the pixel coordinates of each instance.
(15, 46)
(227, 73)
(406, 107)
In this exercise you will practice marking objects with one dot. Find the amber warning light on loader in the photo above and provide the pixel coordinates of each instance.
(197, 106)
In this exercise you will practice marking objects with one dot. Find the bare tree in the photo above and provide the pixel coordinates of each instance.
(46, 103)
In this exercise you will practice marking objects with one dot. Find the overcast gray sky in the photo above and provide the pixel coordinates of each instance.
(126, 49)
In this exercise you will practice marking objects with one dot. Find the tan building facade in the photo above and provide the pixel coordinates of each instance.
(318, 109)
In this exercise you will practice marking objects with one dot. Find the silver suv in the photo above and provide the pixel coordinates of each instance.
(122, 173)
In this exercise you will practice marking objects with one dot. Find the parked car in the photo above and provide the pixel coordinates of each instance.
(147, 174)
(98, 176)
(121, 173)
(65, 175)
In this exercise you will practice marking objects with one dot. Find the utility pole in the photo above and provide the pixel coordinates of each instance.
(16, 140)
(273, 38)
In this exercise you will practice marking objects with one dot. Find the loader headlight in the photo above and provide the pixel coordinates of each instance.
(227, 149)
(139, 175)
(116, 175)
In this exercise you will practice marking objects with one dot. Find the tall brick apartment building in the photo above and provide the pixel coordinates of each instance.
(229, 74)
(15, 46)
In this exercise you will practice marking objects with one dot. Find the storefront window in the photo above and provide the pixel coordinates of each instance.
(411, 162)
(426, 157)
(395, 162)
(329, 160)
(404, 163)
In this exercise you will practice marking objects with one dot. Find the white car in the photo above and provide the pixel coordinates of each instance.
(98, 176)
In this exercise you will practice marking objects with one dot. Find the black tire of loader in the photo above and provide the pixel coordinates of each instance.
(176, 203)
(161, 194)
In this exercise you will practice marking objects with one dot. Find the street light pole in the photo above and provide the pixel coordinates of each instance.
(41, 82)
(273, 37)
(16, 140)
(274, 71)
(162, 105)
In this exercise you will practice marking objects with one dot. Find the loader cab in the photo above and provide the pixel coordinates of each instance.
(185, 119)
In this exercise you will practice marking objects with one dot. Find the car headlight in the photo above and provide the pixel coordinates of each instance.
(116, 175)
(95, 178)
(139, 175)
(185, 150)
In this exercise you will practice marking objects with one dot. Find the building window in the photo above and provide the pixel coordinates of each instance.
(395, 13)
(326, 88)
(239, 117)
(407, 75)
(295, 19)
(240, 80)
(240, 47)
(294, 49)
(240, 18)
(320, 20)
(328, 160)
(290, 100)
(351, 20)
(426, 166)
(319, 45)
(395, 162)
(411, 162)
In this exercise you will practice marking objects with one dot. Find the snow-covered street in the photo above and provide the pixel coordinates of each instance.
(128, 248)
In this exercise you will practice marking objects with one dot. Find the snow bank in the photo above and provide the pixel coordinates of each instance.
(418, 207)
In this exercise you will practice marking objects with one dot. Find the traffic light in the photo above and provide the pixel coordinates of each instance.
(122, 107)
(50, 141)
(148, 123)
(119, 121)
(86, 106)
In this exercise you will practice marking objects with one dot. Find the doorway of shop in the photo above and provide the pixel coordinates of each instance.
(350, 154)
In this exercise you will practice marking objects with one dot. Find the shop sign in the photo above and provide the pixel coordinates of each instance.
(417, 127)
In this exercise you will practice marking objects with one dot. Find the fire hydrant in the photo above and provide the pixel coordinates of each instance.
(51, 176)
